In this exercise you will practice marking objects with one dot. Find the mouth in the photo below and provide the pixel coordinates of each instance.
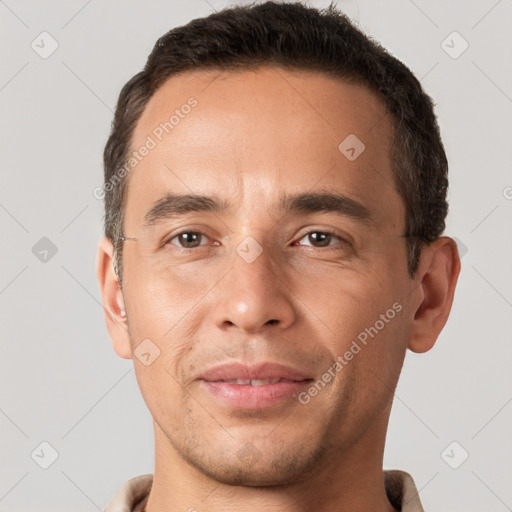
(259, 374)
(255, 382)
(253, 387)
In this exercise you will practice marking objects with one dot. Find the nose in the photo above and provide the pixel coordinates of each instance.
(254, 295)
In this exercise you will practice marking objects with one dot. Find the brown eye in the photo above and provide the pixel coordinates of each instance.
(188, 239)
(319, 238)
(323, 239)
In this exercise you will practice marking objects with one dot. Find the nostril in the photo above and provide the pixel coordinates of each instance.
(272, 322)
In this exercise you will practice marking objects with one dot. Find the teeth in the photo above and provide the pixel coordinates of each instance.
(262, 382)
(253, 382)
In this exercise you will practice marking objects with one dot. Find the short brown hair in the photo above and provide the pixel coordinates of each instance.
(303, 38)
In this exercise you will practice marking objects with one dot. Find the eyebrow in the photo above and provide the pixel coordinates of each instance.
(176, 205)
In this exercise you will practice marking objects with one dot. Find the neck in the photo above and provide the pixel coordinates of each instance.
(348, 481)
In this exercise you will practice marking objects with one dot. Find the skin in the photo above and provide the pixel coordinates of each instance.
(252, 137)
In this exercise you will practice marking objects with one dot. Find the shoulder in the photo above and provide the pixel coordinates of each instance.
(130, 494)
(401, 491)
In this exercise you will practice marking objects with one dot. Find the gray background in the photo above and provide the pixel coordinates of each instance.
(62, 383)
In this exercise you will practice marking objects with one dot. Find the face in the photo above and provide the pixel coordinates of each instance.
(292, 266)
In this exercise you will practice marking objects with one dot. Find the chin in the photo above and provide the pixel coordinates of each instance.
(250, 467)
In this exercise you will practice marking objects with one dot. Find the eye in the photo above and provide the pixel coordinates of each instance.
(319, 239)
(188, 239)
(323, 239)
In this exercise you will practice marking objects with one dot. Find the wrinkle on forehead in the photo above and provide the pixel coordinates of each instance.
(258, 133)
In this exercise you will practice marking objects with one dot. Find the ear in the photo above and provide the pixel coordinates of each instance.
(113, 302)
(436, 280)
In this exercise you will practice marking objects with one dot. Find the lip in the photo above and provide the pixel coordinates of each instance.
(265, 370)
(249, 397)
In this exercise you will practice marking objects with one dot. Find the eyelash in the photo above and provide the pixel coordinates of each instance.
(343, 241)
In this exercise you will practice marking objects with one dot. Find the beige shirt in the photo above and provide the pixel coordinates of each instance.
(132, 496)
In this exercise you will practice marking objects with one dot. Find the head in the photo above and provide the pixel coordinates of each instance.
(288, 207)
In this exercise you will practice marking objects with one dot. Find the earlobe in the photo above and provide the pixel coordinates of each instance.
(437, 278)
(113, 301)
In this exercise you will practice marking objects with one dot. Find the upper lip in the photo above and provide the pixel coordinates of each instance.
(260, 371)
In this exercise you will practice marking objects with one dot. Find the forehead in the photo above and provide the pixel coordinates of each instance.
(252, 134)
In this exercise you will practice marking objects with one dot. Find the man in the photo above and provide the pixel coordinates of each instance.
(275, 192)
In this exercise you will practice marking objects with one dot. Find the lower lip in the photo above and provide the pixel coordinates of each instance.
(255, 397)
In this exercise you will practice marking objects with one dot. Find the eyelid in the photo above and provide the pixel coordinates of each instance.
(345, 239)
(200, 231)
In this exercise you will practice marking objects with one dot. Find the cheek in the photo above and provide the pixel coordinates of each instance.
(161, 392)
(162, 298)
(365, 314)
(347, 299)
(371, 352)
(163, 312)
